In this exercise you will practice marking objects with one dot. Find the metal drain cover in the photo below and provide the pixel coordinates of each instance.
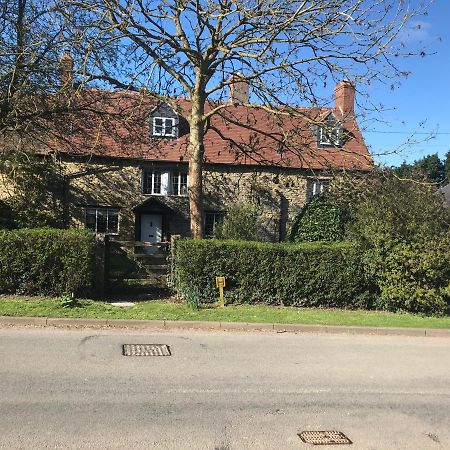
(146, 350)
(324, 438)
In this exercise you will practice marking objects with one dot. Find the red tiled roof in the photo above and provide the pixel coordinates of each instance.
(116, 124)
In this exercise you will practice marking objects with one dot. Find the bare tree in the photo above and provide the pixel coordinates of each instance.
(284, 49)
(31, 44)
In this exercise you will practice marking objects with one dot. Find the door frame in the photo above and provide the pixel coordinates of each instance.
(137, 226)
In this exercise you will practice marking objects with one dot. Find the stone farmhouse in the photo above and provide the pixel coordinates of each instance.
(125, 161)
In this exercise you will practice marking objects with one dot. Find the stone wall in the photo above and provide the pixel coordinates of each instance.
(280, 193)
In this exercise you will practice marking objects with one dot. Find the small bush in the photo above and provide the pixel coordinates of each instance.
(242, 221)
(46, 261)
(315, 274)
(69, 301)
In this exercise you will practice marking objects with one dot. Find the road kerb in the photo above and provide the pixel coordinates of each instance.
(73, 322)
(260, 326)
(192, 325)
(134, 323)
(384, 331)
(298, 328)
(225, 326)
(32, 321)
(336, 329)
(437, 332)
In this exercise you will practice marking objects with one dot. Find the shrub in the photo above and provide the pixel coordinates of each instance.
(311, 274)
(391, 211)
(403, 228)
(46, 261)
(413, 278)
(320, 220)
(242, 221)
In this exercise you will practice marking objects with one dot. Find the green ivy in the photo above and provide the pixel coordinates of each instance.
(320, 220)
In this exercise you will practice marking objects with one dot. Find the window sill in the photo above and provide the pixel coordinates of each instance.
(102, 233)
(166, 195)
(329, 145)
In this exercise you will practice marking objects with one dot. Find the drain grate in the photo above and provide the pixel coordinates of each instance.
(145, 350)
(324, 438)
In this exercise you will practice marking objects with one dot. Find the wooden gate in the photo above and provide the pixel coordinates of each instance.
(133, 267)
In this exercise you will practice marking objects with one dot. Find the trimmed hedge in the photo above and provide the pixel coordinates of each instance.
(46, 261)
(308, 274)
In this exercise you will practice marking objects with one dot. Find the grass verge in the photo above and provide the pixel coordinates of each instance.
(167, 310)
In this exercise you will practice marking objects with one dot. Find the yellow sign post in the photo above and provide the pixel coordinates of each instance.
(220, 283)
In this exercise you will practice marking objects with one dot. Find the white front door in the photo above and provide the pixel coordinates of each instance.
(151, 227)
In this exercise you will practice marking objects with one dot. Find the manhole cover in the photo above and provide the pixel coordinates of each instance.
(146, 350)
(324, 438)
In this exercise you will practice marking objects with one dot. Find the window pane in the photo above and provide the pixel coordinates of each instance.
(102, 220)
(212, 220)
(209, 224)
(316, 187)
(183, 184)
(324, 138)
(156, 182)
(335, 136)
(147, 183)
(169, 127)
(113, 221)
(90, 219)
(158, 126)
(175, 184)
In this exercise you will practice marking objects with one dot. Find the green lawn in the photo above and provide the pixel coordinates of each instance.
(165, 309)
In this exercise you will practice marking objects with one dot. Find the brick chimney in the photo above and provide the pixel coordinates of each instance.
(238, 89)
(66, 69)
(344, 99)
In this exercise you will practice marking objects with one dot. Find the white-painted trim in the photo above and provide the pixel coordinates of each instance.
(163, 133)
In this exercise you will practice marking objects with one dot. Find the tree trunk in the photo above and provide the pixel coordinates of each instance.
(196, 152)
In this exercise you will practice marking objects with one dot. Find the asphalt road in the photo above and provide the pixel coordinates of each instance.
(221, 391)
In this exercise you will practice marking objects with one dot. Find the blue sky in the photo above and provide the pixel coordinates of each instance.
(418, 110)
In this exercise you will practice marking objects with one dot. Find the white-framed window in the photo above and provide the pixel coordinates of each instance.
(212, 219)
(179, 183)
(102, 219)
(164, 126)
(330, 135)
(152, 182)
(164, 182)
(316, 187)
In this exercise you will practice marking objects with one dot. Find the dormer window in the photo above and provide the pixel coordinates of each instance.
(164, 126)
(329, 136)
(330, 133)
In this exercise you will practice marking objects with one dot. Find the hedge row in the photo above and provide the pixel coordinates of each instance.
(308, 274)
(46, 261)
